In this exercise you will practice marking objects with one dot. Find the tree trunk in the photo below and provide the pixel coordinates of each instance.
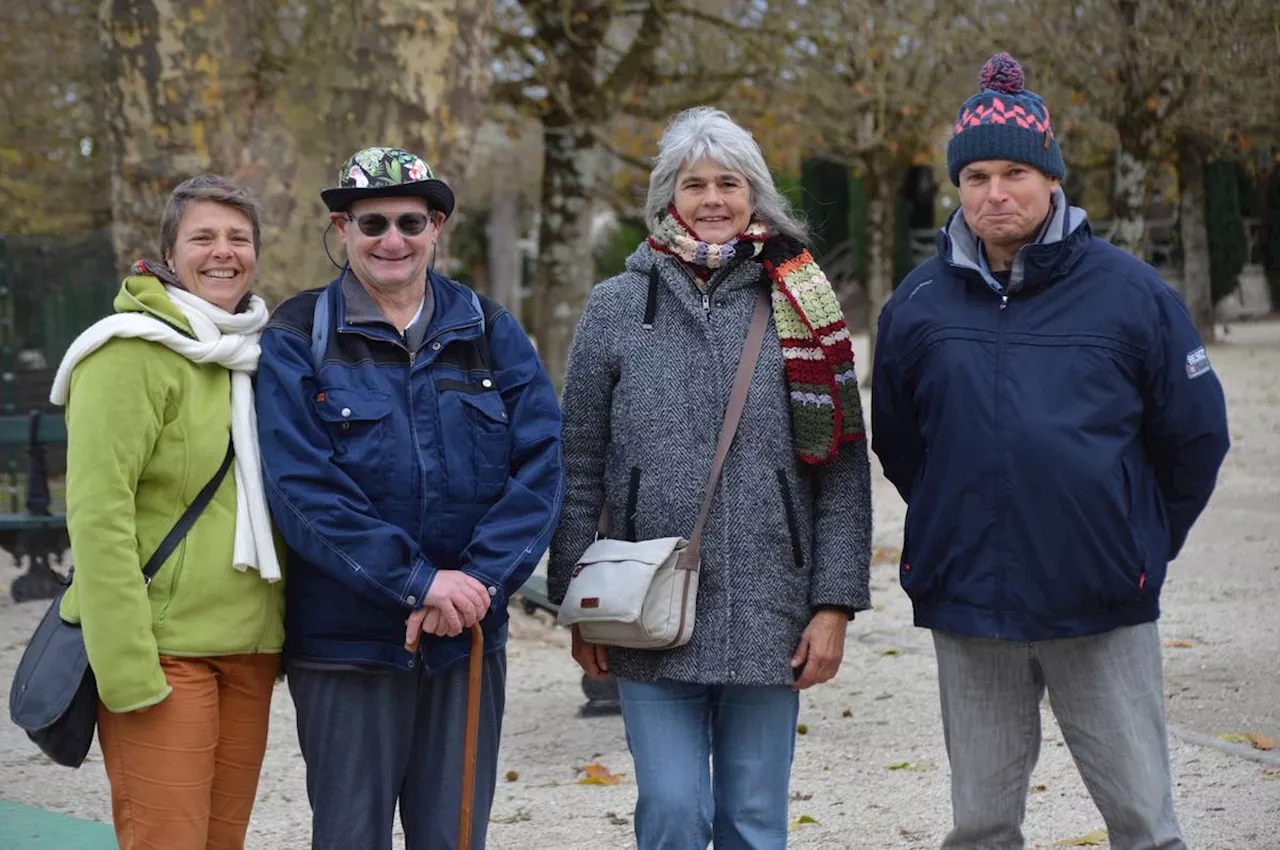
(178, 71)
(1195, 237)
(566, 271)
(1128, 202)
(402, 73)
(279, 96)
(504, 236)
(879, 236)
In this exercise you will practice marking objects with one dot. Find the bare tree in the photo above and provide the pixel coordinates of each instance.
(879, 82)
(54, 169)
(1224, 111)
(577, 66)
(1135, 65)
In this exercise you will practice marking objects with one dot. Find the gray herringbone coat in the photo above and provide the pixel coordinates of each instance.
(642, 412)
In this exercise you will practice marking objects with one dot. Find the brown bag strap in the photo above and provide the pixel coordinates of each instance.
(732, 416)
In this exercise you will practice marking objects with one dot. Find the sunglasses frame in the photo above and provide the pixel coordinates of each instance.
(388, 222)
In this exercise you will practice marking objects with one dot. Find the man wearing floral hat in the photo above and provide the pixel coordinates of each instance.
(411, 451)
(1046, 409)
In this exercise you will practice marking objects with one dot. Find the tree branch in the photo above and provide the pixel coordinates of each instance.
(638, 56)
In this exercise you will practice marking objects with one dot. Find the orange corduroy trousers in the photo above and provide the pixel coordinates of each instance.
(184, 773)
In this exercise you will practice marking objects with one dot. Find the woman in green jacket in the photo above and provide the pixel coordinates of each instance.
(185, 665)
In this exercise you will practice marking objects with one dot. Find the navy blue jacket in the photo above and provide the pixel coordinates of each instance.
(389, 465)
(1054, 441)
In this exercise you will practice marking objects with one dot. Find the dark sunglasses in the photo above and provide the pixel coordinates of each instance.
(376, 224)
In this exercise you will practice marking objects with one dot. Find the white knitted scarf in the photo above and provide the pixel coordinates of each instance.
(230, 340)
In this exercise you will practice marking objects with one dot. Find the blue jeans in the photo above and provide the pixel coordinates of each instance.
(712, 762)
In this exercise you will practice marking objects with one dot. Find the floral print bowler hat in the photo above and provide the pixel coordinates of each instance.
(387, 173)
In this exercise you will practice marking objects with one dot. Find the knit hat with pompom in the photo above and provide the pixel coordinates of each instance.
(1004, 121)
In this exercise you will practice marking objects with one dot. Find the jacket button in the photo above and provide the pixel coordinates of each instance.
(486, 383)
(493, 591)
(412, 600)
(411, 662)
(435, 346)
(346, 411)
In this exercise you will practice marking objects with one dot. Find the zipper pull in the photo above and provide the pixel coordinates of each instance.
(706, 306)
(1004, 301)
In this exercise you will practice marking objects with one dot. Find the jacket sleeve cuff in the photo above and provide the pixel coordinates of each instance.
(154, 699)
(415, 592)
(843, 609)
(497, 594)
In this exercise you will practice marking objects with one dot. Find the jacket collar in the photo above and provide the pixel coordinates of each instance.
(451, 308)
(1060, 244)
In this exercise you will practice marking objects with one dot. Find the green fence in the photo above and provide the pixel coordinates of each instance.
(51, 288)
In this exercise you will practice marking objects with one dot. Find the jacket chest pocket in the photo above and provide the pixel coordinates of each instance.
(477, 441)
(357, 423)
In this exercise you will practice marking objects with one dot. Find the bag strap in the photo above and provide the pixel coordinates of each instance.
(188, 519)
(692, 556)
(319, 330)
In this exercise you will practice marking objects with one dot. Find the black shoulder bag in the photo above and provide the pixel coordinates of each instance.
(54, 697)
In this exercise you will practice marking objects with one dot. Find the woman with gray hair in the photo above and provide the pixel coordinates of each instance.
(786, 546)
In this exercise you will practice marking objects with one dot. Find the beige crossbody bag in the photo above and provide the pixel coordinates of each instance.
(643, 595)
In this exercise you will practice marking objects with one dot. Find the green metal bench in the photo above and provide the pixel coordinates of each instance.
(602, 697)
(32, 533)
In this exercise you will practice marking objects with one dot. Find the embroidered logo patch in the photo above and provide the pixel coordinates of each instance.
(1198, 363)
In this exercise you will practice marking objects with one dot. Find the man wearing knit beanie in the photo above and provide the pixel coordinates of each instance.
(1045, 407)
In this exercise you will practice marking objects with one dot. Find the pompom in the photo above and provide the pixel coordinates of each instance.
(1002, 73)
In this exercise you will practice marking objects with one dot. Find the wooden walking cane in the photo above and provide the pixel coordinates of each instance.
(471, 740)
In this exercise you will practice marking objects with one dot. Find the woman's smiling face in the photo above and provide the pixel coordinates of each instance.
(713, 200)
(213, 255)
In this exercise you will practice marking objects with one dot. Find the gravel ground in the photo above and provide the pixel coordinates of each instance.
(1221, 607)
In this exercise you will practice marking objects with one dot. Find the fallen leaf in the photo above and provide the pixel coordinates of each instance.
(803, 821)
(848, 712)
(512, 776)
(1271, 773)
(597, 774)
(915, 767)
(885, 555)
(1234, 738)
(616, 819)
(890, 651)
(519, 817)
(796, 796)
(1261, 742)
(1039, 789)
(802, 729)
(1178, 644)
(1093, 838)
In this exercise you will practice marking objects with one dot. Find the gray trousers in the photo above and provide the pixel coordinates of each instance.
(1107, 692)
(371, 739)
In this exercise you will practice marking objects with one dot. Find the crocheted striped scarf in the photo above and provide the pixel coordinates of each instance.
(826, 407)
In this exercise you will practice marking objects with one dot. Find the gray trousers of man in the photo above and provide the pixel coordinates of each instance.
(1107, 693)
(371, 739)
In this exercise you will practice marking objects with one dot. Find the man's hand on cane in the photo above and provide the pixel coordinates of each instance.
(455, 601)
